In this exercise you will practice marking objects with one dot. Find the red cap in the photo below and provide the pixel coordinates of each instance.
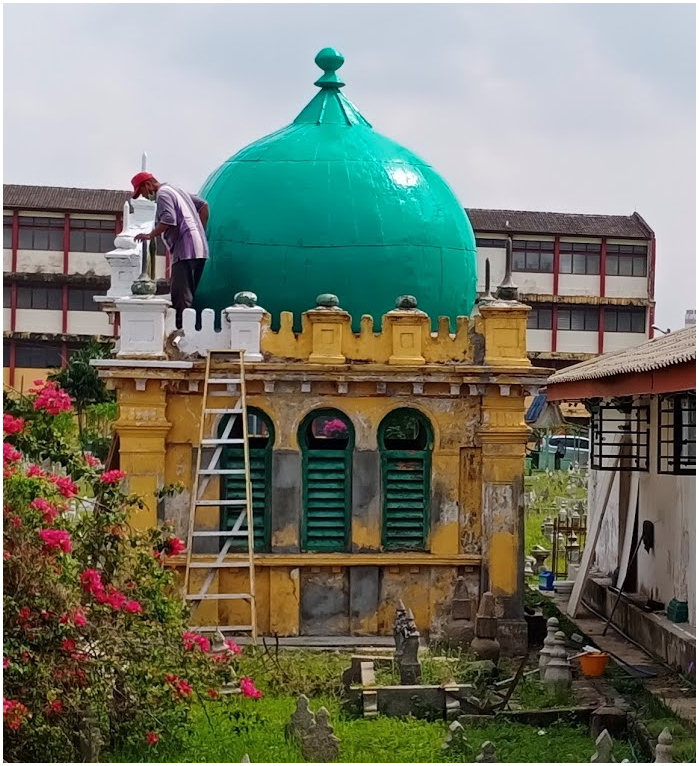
(137, 180)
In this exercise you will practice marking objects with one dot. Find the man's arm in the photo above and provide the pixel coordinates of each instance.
(157, 231)
(204, 214)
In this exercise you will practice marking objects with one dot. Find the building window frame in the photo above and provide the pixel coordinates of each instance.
(626, 261)
(82, 299)
(630, 319)
(44, 297)
(41, 233)
(540, 318)
(580, 258)
(38, 355)
(91, 235)
(533, 256)
(7, 222)
(577, 319)
(677, 434)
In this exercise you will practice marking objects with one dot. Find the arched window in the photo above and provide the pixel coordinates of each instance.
(260, 441)
(405, 442)
(326, 438)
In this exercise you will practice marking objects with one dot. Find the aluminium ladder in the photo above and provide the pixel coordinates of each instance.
(209, 416)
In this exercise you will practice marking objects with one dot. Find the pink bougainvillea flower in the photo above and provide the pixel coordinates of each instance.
(14, 713)
(34, 470)
(91, 460)
(133, 606)
(76, 617)
(191, 640)
(56, 707)
(112, 477)
(68, 645)
(175, 546)
(24, 613)
(152, 737)
(248, 689)
(91, 580)
(212, 693)
(64, 485)
(56, 538)
(49, 511)
(233, 647)
(50, 397)
(10, 454)
(5, 663)
(12, 425)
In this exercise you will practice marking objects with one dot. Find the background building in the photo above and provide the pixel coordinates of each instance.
(589, 278)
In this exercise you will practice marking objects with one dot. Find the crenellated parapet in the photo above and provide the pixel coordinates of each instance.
(496, 338)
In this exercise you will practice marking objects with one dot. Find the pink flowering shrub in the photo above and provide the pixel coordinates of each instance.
(93, 623)
(335, 429)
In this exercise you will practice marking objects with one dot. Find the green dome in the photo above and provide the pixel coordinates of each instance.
(327, 205)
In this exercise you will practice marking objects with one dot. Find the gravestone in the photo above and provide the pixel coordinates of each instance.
(320, 745)
(487, 754)
(301, 722)
(245, 759)
(399, 630)
(610, 718)
(485, 645)
(456, 737)
(89, 737)
(409, 665)
(558, 674)
(603, 749)
(545, 653)
(663, 750)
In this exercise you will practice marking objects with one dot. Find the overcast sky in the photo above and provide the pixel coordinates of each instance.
(573, 108)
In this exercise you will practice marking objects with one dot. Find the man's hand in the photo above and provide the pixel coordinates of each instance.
(143, 237)
(157, 231)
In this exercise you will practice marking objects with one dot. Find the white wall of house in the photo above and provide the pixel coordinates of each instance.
(40, 261)
(6, 315)
(626, 287)
(539, 340)
(7, 260)
(579, 284)
(89, 323)
(496, 256)
(617, 341)
(669, 501)
(88, 263)
(575, 341)
(39, 320)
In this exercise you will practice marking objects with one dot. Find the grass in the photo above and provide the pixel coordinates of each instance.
(227, 729)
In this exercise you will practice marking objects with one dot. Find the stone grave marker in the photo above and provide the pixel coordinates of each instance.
(456, 737)
(603, 749)
(663, 750)
(558, 673)
(409, 665)
(487, 754)
(320, 745)
(301, 722)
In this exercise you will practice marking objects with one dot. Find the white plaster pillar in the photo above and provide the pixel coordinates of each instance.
(245, 323)
(142, 327)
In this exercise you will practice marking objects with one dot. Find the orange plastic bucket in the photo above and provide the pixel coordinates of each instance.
(593, 664)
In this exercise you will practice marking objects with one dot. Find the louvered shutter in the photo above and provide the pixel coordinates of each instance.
(235, 490)
(406, 482)
(326, 494)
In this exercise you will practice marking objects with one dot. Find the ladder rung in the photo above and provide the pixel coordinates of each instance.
(227, 394)
(228, 533)
(222, 627)
(214, 442)
(217, 596)
(222, 471)
(219, 564)
(223, 381)
(221, 502)
(223, 411)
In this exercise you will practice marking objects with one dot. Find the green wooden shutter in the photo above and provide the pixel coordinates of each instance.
(326, 499)
(234, 489)
(406, 494)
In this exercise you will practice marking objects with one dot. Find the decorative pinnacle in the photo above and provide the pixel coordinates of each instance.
(329, 60)
(245, 298)
(406, 302)
(327, 301)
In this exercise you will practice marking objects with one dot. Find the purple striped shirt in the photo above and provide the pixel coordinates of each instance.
(185, 236)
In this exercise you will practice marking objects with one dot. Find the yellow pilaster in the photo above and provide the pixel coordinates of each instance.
(328, 328)
(503, 435)
(142, 428)
(406, 331)
(504, 325)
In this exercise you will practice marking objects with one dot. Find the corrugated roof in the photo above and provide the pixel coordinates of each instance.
(664, 351)
(535, 409)
(570, 224)
(61, 199)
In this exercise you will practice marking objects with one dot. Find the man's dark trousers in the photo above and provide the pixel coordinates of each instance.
(184, 279)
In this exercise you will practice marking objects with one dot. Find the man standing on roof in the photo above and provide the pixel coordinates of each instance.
(181, 220)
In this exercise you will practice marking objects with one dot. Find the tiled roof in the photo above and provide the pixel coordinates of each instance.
(663, 351)
(58, 198)
(570, 224)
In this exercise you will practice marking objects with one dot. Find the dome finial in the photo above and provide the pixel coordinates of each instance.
(329, 60)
